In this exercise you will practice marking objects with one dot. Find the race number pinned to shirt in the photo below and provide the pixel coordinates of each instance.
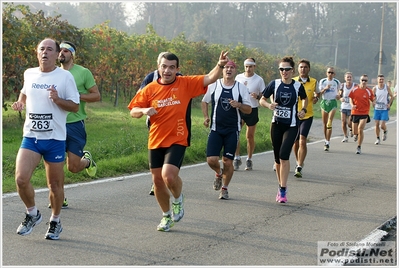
(40, 122)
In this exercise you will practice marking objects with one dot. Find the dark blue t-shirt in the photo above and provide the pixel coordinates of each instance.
(286, 95)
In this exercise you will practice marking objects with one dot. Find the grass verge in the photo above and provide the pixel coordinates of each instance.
(118, 142)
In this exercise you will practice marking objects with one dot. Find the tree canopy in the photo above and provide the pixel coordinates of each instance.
(120, 55)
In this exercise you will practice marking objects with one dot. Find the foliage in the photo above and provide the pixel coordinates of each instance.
(20, 38)
(310, 30)
(120, 61)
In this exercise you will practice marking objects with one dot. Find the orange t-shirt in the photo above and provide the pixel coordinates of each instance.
(361, 98)
(169, 126)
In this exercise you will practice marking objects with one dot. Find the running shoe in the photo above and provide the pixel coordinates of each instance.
(355, 138)
(28, 223)
(64, 204)
(278, 195)
(152, 190)
(248, 165)
(217, 183)
(224, 194)
(166, 224)
(237, 163)
(358, 150)
(326, 147)
(92, 169)
(345, 139)
(298, 172)
(377, 141)
(54, 230)
(178, 210)
(281, 196)
(384, 136)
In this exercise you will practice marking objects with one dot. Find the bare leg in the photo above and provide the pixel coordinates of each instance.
(26, 163)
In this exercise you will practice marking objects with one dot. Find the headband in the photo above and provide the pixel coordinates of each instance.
(231, 63)
(248, 62)
(69, 47)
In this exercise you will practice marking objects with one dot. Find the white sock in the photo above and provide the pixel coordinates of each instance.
(178, 200)
(32, 211)
(55, 218)
(167, 213)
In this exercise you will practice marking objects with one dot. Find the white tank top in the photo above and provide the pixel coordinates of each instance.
(381, 98)
(345, 94)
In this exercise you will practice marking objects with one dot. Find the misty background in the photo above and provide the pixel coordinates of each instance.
(344, 35)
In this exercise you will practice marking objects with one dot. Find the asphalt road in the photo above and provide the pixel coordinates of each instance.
(341, 197)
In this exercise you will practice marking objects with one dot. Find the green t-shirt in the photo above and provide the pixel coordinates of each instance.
(84, 81)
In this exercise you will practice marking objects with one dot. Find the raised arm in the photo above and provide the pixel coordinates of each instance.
(213, 75)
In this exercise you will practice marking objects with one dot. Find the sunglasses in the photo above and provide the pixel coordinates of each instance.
(285, 69)
(364, 80)
(330, 72)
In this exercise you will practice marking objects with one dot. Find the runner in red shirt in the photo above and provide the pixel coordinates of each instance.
(360, 98)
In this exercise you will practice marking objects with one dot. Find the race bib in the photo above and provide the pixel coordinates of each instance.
(380, 106)
(282, 113)
(41, 122)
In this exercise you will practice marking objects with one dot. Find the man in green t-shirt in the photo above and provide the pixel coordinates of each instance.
(77, 158)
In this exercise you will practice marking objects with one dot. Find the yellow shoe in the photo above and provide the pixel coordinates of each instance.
(64, 204)
(92, 169)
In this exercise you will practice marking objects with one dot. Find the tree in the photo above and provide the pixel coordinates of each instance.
(22, 31)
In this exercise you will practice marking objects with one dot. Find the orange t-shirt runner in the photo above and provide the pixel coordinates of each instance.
(361, 98)
(169, 126)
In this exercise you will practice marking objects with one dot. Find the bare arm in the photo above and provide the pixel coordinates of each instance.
(19, 105)
(245, 108)
(391, 97)
(138, 112)
(302, 112)
(204, 108)
(66, 105)
(215, 73)
(92, 96)
(264, 103)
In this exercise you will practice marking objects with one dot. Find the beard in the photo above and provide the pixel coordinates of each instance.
(62, 60)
